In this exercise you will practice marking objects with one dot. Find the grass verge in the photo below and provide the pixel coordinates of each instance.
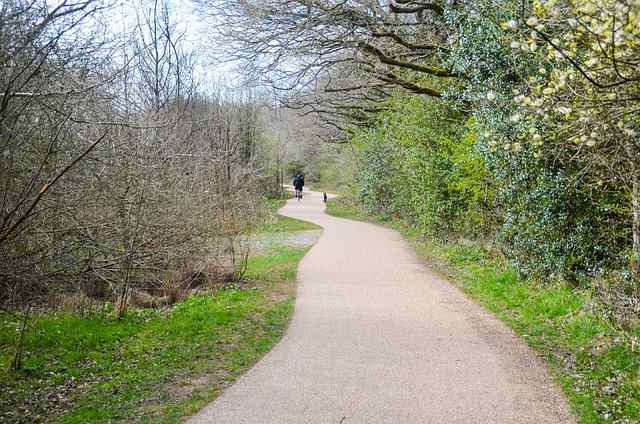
(153, 365)
(597, 369)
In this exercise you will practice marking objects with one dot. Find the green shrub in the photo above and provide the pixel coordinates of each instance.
(415, 167)
(551, 229)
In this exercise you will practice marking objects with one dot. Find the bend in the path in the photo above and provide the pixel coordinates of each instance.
(378, 338)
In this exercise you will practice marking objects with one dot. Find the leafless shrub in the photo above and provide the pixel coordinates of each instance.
(77, 303)
(618, 298)
(164, 201)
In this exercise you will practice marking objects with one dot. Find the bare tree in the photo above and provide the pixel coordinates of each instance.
(163, 202)
(353, 49)
(49, 63)
(179, 192)
(163, 62)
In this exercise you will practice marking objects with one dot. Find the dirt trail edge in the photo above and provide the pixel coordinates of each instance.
(378, 338)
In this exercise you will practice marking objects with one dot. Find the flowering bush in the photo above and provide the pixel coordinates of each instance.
(576, 104)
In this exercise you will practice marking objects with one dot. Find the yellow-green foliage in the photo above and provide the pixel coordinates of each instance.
(418, 162)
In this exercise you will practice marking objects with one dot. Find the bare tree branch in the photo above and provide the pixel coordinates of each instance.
(6, 233)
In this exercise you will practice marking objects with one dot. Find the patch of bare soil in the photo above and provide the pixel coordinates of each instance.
(183, 389)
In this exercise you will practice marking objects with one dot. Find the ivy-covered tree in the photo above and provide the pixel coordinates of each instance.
(580, 106)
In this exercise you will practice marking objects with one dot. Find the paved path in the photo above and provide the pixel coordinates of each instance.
(378, 338)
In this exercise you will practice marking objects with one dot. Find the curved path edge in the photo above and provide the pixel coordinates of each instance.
(377, 337)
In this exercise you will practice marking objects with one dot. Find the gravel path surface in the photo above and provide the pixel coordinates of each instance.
(378, 338)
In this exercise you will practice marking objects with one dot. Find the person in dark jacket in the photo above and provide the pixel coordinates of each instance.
(298, 183)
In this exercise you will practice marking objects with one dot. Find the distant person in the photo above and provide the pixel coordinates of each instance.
(298, 183)
(324, 197)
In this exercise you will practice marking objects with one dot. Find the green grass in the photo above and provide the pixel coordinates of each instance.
(285, 224)
(592, 362)
(154, 365)
(337, 208)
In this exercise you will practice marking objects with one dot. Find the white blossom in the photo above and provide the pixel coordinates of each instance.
(591, 62)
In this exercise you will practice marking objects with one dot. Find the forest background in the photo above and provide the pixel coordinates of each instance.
(133, 172)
